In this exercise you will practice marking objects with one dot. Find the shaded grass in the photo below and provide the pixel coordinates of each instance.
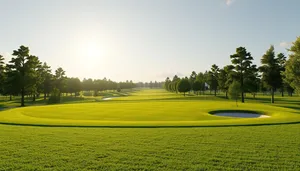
(65, 99)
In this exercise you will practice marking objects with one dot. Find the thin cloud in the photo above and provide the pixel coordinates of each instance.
(285, 44)
(229, 2)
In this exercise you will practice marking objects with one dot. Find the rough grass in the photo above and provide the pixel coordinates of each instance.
(230, 148)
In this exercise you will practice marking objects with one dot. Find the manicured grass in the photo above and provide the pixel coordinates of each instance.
(228, 148)
(161, 113)
(221, 146)
(148, 108)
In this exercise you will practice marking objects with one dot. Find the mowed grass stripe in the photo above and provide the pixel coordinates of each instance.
(230, 148)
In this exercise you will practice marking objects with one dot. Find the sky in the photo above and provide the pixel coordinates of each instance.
(143, 40)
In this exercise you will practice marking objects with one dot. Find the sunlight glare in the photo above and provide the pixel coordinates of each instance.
(92, 51)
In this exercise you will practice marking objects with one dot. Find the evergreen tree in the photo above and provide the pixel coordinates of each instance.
(270, 71)
(242, 61)
(292, 69)
(23, 72)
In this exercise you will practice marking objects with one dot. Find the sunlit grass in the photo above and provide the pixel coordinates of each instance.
(269, 147)
(148, 108)
(231, 148)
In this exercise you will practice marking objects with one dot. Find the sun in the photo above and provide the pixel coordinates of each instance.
(89, 50)
(92, 51)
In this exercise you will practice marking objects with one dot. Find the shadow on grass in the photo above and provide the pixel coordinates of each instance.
(184, 126)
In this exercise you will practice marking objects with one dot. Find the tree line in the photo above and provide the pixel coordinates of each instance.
(276, 73)
(151, 84)
(25, 75)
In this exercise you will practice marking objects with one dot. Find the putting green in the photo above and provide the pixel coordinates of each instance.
(144, 114)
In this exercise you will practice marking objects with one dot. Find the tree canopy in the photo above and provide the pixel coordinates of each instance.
(292, 69)
(184, 86)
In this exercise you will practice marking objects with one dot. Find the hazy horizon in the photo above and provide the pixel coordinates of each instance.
(145, 40)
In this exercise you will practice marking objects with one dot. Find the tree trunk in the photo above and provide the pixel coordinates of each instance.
(243, 99)
(22, 97)
(45, 95)
(272, 98)
(282, 94)
(215, 92)
(242, 88)
(226, 95)
(10, 97)
(254, 95)
(33, 98)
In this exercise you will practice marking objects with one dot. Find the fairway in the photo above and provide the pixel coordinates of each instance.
(147, 108)
(273, 147)
(151, 129)
(149, 85)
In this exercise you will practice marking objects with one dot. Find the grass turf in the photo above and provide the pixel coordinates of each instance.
(149, 108)
(230, 148)
(269, 147)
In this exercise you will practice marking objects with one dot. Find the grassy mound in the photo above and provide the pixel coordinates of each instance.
(159, 113)
(151, 108)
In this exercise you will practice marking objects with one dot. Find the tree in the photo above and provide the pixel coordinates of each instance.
(23, 71)
(225, 78)
(55, 96)
(35, 79)
(166, 84)
(270, 71)
(213, 78)
(183, 86)
(174, 83)
(282, 62)
(60, 80)
(292, 69)
(252, 81)
(2, 74)
(197, 86)
(47, 79)
(201, 77)
(87, 84)
(11, 82)
(242, 61)
(73, 85)
(192, 78)
(234, 91)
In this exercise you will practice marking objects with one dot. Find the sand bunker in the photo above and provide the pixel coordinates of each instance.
(241, 115)
(107, 98)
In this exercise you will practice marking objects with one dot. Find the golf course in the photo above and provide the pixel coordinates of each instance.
(151, 129)
(149, 85)
(148, 108)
